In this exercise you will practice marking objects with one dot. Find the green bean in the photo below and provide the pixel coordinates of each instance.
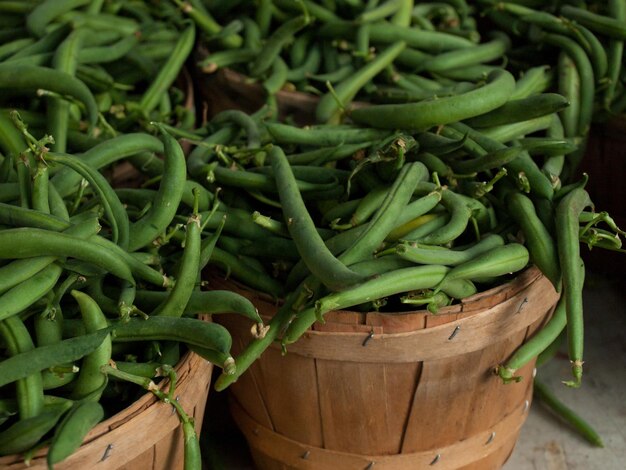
(522, 165)
(489, 161)
(118, 218)
(256, 347)
(426, 114)
(187, 330)
(107, 53)
(199, 157)
(465, 57)
(28, 242)
(617, 10)
(502, 260)
(336, 75)
(70, 432)
(169, 71)
(457, 288)
(40, 188)
(541, 392)
(44, 13)
(390, 283)
(247, 123)
(102, 22)
(543, 252)
(329, 105)
(386, 216)
(28, 292)
(334, 274)
(569, 86)
(90, 381)
(64, 60)
(21, 217)
(52, 380)
(29, 362)
(460, 214)
(323, 135)
(26, 433)
(32, 77)
(9, 48)
(205, 21)
(521, 110)
(28, 387)
(139, 269)
(385, 33)
(21, 270)
(535, 345)
(368, 205)
(419, 227)
(534, 80)
(585, 71)
(167, 199)
(509, 132)
(309, 67)
(277, 77)
(272, 47)
(428, 254)
(210, 302)
(228, 58)
(174, 305)
(255, 181)
(605, 25)
(105, 153)
(567, 214)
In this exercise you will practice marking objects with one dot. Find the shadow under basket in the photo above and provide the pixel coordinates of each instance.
(392, 391)
(146, 435)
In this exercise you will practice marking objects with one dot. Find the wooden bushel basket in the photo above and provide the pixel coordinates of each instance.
(146, 435)
(394, 392)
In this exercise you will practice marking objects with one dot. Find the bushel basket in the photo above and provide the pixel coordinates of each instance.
(393, 391)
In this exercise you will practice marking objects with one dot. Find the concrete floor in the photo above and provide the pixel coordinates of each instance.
(545, 443)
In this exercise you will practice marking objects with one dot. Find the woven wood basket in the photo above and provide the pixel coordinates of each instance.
(396, 392)
(147, 435)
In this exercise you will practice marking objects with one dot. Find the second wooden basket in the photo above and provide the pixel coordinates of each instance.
(404, 391)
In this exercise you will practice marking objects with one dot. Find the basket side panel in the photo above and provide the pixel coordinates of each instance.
(356, 398)
(290, 391)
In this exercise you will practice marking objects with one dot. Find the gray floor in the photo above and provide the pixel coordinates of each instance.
(545, 443)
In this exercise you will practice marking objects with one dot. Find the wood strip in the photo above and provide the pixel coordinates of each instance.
(473, 333)
(292, 454)
(288, 387)
(363, 406)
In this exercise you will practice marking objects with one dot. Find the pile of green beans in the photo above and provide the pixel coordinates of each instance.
(423, 64)
(92, 69)
(100, 281)
(332, 217)
(494, 98)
